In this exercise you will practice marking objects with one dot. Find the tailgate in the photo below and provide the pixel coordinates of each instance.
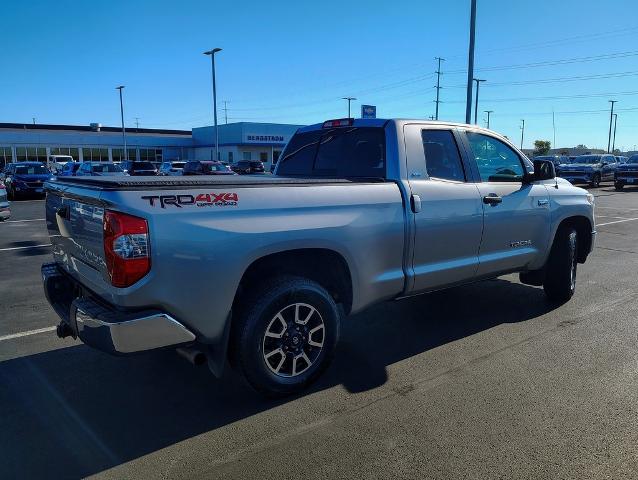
(74, 220)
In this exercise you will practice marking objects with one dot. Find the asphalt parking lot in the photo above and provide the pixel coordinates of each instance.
(483, 381)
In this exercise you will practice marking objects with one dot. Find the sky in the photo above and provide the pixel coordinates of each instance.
(292, 62)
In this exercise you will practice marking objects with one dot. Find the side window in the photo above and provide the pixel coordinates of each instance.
(496, 161)
(442, 157)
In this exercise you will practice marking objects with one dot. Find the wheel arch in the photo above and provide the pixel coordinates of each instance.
(584, 228)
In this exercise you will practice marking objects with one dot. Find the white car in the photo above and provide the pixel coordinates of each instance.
(5, 210)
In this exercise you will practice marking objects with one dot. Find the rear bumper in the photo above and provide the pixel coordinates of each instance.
(626, 179)
(104, 327)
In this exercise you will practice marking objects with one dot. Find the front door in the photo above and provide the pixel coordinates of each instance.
(447, 209)
(516, 214)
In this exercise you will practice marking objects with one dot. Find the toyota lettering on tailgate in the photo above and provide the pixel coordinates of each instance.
(201, 200)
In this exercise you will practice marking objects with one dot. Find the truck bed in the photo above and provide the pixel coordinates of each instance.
(215, 181)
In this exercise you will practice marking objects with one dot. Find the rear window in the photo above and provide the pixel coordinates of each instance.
(178, 164)
(31, 170)
(107, 167)
(357, 152)
(142, 166)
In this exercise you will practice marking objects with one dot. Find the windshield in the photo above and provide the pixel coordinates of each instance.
(587, 159)
(31, 170)
(106, 168)
(177, 164)
(215, 167)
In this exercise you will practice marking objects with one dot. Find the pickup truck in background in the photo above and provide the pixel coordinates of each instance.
(261, 271)
(591, 169)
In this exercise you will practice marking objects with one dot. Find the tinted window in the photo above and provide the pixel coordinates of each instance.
(340, 152)
(143, 166)
(496, 161)
(442, 158)
(108, 167)
(31, 170)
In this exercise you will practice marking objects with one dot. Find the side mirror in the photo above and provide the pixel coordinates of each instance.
(544, 170)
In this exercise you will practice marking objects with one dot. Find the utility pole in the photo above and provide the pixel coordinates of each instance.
(226, 112)
(438, 84)
(488, 117)
(522, 132)
(137, 123)
(478, 83)
(212, 62)
(611, 118)
(470, 64)
(613, 143)
(349, 99)
(554, 127)
(125, 153)
(432, 117)
(33, 120)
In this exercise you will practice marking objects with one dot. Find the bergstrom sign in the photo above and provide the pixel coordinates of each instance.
(253, 138)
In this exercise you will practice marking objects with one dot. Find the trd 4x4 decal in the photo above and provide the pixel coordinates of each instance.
(201, 200)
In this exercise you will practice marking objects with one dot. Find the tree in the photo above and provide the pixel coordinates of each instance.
(541, 147)
(581, 146)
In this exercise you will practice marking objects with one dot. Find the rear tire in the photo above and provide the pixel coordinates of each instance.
(619, 186)
(595, 181)
(560, 280)
(285, 336)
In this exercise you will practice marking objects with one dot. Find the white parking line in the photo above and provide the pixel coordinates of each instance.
(26, 334)
(616, 208)
(18, 221)
(617, 221)
(22, 248)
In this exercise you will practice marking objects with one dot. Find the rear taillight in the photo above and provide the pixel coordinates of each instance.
(126, 248)
(340, 122)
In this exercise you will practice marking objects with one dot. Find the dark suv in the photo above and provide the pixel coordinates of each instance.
(206, 167)
(138, 168)
(591, 169)
(25, 178)
(248, 166)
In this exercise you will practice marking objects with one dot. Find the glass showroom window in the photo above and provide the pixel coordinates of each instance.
(150, 154)
(21, 154)
(5, 156)
(246, 155)
(74, 152)
(117, 154)
(35, 154)
(96, 154)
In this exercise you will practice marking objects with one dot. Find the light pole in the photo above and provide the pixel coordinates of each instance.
(478, 82)
(613, 142)
(125, 152)
(522, 132)
(349, 99)
(212, 62)
(611, 118)
(438, 85)
(488, 117)
(470, 64)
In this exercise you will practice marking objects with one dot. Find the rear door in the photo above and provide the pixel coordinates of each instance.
(609, 167)
(516, 214)
(448, 214)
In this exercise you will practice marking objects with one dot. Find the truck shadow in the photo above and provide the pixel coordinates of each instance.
(74, 412)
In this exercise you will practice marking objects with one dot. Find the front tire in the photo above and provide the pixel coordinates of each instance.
(595, 181)
(619, 186)
(285, 336)
(560, 279)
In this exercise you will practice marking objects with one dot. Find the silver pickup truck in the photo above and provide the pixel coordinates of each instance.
(261, 270)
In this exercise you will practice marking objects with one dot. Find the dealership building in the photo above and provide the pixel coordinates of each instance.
(237, 141)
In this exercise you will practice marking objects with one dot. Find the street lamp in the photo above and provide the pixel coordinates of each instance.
(212, 58)
(488, 116)
(611, 118)
(125, 153)
(478, 82)
(613, 142)
(349, 99)
(522, 132)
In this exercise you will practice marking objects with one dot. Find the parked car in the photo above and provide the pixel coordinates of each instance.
(56, 163)
(99, 169)
(25, 178)
(591, 169)
(627, 173)
(244, 167)
(621, 159)
(5, 206)
(555, 159)
(206, 167)
(69, 169)
(138, 168)
(171, 168)
(262, 269)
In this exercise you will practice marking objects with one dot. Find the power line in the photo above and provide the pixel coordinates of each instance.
(560, 79)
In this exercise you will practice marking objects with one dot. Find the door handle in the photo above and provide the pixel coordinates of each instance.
(415, 203)
(492, 199)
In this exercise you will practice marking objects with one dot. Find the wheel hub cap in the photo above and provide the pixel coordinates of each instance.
(293, 340)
